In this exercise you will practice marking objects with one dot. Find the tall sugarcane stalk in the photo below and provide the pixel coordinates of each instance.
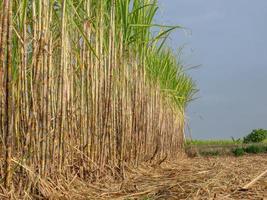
(8, 92)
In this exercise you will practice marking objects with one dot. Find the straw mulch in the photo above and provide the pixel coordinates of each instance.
(218, 178)
(194, 178)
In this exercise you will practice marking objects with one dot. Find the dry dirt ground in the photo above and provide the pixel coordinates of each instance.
(215, 178)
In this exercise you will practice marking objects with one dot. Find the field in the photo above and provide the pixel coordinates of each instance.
(211, 142)
(216, 142)
(86, 89)
(223, 147)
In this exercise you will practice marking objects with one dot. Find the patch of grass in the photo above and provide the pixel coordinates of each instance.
(239, 151)
(255, 149)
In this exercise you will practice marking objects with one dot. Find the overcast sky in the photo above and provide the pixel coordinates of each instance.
(228, 38)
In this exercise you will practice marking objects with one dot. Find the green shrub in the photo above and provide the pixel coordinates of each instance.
(257, 135)
(255, 149)
(239, 151)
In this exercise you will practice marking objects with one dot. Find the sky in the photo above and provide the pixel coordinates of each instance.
(229, 40)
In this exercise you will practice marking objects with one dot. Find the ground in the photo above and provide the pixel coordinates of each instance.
(197, 178)
(191, 178)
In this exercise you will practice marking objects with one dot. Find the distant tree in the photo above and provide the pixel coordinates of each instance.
(257, 135)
